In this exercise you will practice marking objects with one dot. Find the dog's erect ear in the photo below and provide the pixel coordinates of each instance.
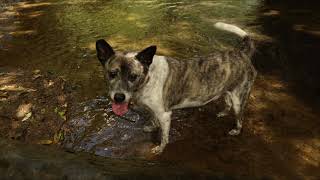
(146, 55)
(104, 51)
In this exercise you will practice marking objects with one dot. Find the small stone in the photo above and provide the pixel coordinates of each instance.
(37, 71)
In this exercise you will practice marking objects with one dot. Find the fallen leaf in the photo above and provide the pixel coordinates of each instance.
(62, 113)
(56, 110)
(23, 110)
(37, 71)
(36, 76)
(45, 142)
(3, 94)
(58, 137)
(27, 116)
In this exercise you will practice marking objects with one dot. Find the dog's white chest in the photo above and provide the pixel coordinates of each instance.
(152, 93)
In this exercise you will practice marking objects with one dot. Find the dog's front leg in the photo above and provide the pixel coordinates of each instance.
(164, 119)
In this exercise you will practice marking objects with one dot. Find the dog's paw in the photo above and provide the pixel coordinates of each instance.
(149, 129)
(157, 150)
(234, 132)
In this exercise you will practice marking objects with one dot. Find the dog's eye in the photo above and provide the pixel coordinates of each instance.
(113, 74)
(132, 77)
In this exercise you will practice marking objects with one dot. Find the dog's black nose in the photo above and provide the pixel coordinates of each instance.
(119, 97)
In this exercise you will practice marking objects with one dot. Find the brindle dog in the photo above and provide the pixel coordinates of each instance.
(163, 84)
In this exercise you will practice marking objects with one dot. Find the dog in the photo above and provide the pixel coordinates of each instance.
(163, 84)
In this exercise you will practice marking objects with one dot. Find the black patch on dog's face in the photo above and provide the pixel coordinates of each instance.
(124, 73)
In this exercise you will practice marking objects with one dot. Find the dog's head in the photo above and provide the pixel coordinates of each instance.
(125, 73)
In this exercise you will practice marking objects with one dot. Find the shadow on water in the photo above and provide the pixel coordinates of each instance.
(294, 27)
(21, 161)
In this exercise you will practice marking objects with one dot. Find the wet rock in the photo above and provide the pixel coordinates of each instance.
(95, 129)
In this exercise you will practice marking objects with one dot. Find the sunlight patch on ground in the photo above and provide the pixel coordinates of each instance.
(10, 12)
(35, 14)
(19, 33)
(15, 87)
(303, 28)
(75, 2)
(309, 150)
(271, 13)
(27, 5)
(276, 115)
(11, 15)
(210, 3)
(6, 79)
(7, 82)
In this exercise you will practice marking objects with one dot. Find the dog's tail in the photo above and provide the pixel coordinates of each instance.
(247, 45)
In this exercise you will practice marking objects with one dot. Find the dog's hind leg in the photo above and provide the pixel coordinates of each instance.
(239, 97)
(228, 105)
(236, 106)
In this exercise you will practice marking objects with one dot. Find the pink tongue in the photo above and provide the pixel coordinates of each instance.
(120, 109)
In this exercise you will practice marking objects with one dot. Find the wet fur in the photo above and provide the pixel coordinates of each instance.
(168, 84)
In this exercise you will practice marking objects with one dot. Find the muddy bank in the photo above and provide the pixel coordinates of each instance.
(21, 161)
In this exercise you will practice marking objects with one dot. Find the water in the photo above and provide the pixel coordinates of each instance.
(59, 36)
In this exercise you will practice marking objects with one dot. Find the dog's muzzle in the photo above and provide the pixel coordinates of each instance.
(119, 106)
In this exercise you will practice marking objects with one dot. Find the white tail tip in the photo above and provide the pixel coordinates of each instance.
(231, 28)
